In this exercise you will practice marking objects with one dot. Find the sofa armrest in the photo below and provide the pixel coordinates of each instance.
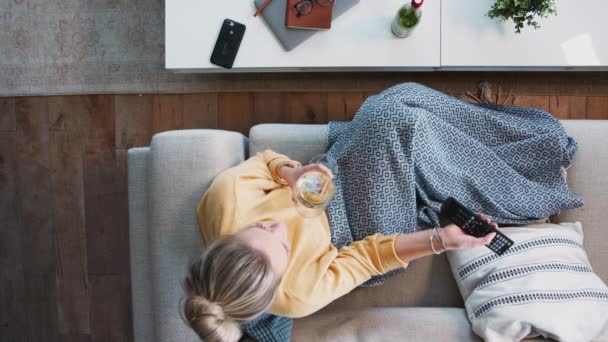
(180, 167)
(139, 248)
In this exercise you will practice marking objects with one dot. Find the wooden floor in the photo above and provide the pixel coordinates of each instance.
(64, 250)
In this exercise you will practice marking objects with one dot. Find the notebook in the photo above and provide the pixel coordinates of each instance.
(274, 16)
(319, 17)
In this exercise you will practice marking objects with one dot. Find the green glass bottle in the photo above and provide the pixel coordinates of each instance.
(407, 18)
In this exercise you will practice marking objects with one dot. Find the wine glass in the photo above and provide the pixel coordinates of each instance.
(315, 189)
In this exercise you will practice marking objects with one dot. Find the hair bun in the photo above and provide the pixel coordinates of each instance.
(201, 306)
(210, 321)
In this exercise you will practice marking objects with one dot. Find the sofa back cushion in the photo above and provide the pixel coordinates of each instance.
(587, 178)
(298, 142)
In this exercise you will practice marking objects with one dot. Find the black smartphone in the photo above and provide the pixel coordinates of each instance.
(227, 44)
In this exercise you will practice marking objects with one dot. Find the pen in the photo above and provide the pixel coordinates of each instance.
(261, 8)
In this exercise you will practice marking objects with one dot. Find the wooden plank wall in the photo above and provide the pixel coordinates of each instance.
(64, 249)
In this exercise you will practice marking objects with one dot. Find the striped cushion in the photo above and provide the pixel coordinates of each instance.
(542, 286)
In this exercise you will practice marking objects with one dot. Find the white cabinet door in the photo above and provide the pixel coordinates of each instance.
(575, 38)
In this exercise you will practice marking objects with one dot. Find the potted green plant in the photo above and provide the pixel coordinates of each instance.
(522, 11)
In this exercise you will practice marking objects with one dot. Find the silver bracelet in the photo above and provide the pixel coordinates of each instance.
(431, 239)
(441, 239)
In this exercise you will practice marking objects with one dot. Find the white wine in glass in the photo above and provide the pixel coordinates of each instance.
(315, 189)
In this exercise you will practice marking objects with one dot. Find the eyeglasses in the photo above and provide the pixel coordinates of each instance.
(304, 7)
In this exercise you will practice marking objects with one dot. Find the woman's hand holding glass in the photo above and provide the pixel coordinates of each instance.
(292, 174)
(312, 186)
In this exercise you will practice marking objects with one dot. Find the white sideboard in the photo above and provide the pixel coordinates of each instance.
(360, 39)
(453, 35)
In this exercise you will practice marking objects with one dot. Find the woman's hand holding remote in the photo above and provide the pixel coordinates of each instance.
(427, 242)
(455, 238)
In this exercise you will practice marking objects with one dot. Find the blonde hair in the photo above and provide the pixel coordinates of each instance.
(228, 285)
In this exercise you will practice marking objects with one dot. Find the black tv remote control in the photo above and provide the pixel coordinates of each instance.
(474, 225)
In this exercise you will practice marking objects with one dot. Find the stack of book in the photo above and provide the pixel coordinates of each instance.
(307, 14)
(292, 29)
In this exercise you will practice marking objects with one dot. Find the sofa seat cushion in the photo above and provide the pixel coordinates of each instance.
(386, 324)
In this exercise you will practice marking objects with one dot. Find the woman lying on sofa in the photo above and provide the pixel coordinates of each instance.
(262, 256)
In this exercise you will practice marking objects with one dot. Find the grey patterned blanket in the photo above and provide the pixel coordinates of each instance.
(411, 147)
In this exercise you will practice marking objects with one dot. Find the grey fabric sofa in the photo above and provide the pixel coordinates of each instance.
(167, 179)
